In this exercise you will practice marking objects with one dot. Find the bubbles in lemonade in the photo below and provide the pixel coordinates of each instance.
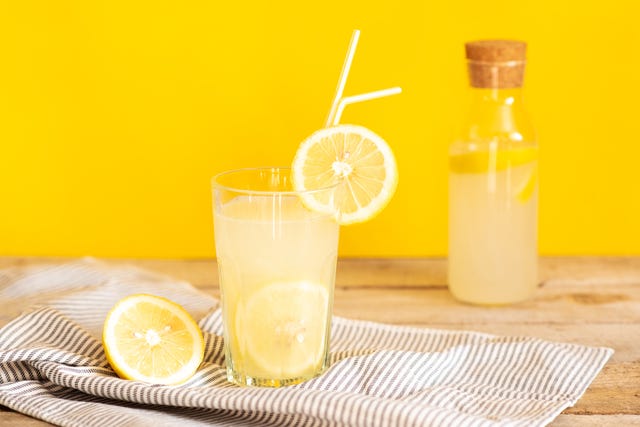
(493, 225)
(276, 261)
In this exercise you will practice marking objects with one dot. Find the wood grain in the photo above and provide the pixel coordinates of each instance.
(392, 272)
(585, 300)
(8, 418)
(596, 420)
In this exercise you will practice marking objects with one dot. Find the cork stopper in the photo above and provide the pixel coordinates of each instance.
(496, 63)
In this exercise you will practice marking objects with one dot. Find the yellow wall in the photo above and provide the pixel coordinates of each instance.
(115, 114)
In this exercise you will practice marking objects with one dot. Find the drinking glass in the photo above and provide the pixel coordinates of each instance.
(276, 264)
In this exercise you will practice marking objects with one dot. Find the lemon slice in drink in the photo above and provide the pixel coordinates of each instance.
(283, 325)
(151, 339)
(357, 160)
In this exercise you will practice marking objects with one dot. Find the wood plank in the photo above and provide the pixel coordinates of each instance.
(421, 272)
(397, 272)
(575, 304)
(565, 420)
(404, 272)
(199, 272)
(10, 418)
(553, 305)
(616, 390)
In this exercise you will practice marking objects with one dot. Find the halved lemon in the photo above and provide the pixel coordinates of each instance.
(357, 162)
(151, 339)
(284, 329)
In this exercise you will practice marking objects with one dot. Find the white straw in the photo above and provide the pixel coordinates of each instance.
(362, 97)
(343, 76)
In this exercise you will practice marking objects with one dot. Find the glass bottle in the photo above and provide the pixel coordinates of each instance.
(493, 183)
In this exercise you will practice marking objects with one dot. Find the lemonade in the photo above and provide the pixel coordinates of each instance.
(276, 261)
(493, 225)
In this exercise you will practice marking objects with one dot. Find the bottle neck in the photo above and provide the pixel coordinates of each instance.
(497, 97)
(497, 113)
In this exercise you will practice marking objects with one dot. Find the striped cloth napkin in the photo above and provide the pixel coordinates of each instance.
(52, 366)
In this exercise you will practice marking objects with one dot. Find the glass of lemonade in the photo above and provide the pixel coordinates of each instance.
(276, 263)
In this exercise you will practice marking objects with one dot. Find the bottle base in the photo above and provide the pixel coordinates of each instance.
(492, 302)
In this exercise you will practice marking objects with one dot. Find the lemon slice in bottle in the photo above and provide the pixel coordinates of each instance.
(151, 339)
(525, 192)
(522, 158)
(283, 327)
(357, 161)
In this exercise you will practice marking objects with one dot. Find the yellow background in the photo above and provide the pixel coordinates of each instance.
(115, 114)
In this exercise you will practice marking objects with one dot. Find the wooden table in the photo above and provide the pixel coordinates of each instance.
(593, 301)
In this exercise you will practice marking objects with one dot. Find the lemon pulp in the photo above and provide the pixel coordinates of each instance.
(358, 162)
(283, 330)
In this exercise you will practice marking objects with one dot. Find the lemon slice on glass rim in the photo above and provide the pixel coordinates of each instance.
(151, 339)
(359, 165)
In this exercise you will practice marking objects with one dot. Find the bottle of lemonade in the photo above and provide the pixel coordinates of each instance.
(493, 190)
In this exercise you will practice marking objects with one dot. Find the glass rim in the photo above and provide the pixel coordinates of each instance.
(215, 182)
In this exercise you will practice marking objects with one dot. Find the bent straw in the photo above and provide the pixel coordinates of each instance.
(343, 76)
(362, 97)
